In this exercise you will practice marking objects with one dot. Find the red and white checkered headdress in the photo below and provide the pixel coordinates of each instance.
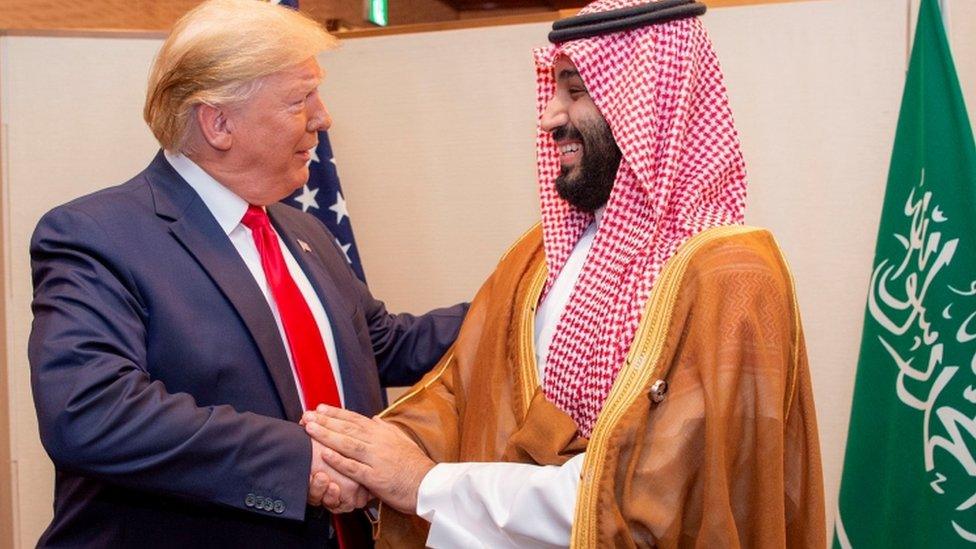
(661, 91)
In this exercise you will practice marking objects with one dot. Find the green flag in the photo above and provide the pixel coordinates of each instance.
(909, 470)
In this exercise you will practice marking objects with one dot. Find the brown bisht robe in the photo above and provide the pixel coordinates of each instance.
(728, 458)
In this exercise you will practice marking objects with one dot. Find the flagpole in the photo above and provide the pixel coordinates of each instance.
(908, 32)
(910, 20)
(944, 10)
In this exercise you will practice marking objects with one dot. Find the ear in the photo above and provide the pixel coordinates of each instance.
(214, 126)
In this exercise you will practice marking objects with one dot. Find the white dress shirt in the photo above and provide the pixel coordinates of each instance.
(511, 505)
(228, 209)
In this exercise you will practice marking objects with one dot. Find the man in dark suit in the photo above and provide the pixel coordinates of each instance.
(184, 320)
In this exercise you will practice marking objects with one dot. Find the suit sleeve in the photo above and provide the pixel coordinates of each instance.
(102, 415)
(406, 346)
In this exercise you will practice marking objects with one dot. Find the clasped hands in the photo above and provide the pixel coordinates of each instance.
(354, 457)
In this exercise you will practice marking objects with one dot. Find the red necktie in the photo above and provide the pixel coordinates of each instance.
(304, 339)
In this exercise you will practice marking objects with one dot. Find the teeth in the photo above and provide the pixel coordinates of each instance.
(571, 148)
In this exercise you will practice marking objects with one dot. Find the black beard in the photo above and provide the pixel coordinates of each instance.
(587, 185)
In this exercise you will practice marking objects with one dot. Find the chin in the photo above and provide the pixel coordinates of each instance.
(299, 179)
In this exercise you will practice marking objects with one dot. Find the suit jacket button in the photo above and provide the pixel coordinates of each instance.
(268, 504)
(279, 506)
(249, 500)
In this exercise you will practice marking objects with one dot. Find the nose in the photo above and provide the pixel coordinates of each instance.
(319, 118)
(554, 115)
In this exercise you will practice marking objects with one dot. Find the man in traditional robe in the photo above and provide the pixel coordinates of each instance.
(633, 373)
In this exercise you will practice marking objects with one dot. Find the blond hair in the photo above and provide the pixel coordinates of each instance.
(217, 54)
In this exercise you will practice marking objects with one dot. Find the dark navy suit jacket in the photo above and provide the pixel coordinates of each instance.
(163, 391)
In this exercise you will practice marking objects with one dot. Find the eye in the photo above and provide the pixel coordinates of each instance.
(300, 102)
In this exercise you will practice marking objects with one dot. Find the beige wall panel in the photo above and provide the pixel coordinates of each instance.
(6, 465)
(72, 111)
(435, 149)
(816, 94)
(434, 145)
(962, 39)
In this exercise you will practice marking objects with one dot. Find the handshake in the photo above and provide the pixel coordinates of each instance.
(356, 459)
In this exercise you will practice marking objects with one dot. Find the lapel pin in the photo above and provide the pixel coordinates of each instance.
(304, 245)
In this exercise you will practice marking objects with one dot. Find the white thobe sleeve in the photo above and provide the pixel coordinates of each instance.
(500, 504)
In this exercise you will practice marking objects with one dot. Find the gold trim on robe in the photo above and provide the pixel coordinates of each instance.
(708, 437)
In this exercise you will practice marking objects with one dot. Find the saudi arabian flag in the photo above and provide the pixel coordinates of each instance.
(909, 471)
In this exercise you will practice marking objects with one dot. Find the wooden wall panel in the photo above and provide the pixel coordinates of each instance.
(408, 12)
(93, 14)
(160, 15)
(151, 15)
(350, 12)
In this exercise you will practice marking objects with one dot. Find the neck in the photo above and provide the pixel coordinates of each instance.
(598, 215)
(216, 164)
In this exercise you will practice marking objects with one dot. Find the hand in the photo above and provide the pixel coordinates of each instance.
(372, 452)
(328, 488)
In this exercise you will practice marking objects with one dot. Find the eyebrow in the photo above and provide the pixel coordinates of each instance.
(566, 74)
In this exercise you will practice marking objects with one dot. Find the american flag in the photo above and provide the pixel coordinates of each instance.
(322, 196)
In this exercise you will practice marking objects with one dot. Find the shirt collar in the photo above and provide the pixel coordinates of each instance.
(227, 208)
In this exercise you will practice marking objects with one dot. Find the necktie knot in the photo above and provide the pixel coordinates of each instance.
(255, 218)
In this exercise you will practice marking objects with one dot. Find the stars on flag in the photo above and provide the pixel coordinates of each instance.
(322, 188)
(314, 157)
(345, 249)
(339, 208)
(307, 198)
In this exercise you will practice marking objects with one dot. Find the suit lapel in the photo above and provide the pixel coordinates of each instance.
(196, 229)
(354, 384)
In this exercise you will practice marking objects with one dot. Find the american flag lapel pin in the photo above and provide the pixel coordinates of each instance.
(304, 245)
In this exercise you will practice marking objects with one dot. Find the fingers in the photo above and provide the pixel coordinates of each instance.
(339, 500)
(342, 443)
(351, 468)
(343, 494)
(340, 414)
(361, 498)
(350, 423)
(317, 486)
(332, 497)
(328, 494)
(322, 491)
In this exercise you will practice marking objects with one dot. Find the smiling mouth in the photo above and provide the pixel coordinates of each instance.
(569, 153)
(306, 154)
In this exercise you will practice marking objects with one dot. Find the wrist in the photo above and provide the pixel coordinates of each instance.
(418, 477)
